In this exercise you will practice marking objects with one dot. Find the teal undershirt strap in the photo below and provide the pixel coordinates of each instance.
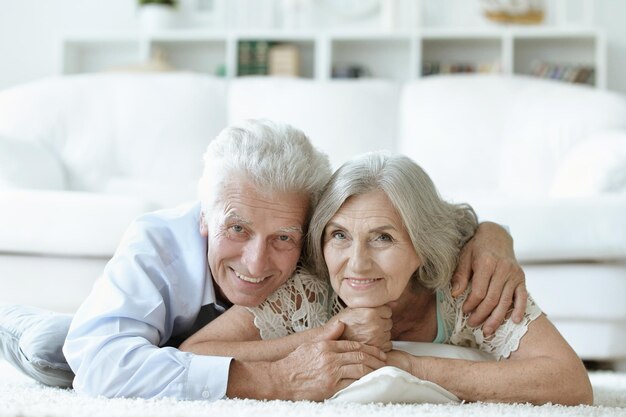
(442, 335)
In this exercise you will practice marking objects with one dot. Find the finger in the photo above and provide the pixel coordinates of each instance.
(361, 358)
(500, 312)
(483, 272)
(333, 331)
(521, 299)
(355, 371)
(374, 351)
(344, 383)
(349, 346)
(387, 346)
(491, 299)
(461, 275)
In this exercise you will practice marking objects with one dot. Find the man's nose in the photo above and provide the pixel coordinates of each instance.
(360, 260)
(255, 257)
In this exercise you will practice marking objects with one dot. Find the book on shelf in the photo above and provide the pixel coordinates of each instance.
(573, 73)
(436, 67)
(260, 57)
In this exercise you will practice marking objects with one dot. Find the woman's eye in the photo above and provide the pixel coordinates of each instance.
(338, 235)
(284, 238)
(385, 238)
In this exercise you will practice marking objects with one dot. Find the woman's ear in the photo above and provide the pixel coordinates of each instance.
(204, 229)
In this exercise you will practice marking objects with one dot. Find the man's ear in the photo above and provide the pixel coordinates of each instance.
(204, 229)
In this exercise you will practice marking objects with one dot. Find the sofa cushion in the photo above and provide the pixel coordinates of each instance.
(596, 165)
(544, 121)
(506, 134)
(560, 229)
(29, 164)
(64, 222)
(342, 118)
(163, 123)
(452, 126)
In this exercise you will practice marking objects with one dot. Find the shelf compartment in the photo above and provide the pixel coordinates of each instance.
(304, 45)
(199, 55)
(441, 55)
(388, 58)
(555, 57)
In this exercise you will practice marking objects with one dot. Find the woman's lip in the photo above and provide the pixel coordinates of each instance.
(361, 282)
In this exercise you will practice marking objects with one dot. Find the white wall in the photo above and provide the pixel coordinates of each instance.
(30, 33)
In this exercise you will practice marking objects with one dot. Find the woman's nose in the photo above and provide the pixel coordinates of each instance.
(360, 260)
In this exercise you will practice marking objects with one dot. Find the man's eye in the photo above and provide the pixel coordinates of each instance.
(236, 228)
(284, 238)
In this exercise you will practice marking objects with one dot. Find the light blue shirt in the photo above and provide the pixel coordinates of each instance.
(151, 290)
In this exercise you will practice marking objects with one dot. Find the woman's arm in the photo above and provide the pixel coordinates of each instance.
(543, 369)
(234, 334)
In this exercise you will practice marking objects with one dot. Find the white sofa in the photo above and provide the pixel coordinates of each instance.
(80, 156)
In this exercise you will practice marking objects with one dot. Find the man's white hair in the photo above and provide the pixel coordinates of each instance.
(275, 157)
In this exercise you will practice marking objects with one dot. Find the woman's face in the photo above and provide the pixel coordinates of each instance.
(368, 251)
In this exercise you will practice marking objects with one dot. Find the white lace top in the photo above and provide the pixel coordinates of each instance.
(305, 302)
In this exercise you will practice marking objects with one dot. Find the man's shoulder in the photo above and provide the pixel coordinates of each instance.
(166, 231)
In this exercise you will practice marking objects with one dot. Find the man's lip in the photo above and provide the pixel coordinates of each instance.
(247, 279)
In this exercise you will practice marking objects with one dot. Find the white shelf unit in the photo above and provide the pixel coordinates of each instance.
(396, 55)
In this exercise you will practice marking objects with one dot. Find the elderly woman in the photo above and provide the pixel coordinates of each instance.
(387, 244)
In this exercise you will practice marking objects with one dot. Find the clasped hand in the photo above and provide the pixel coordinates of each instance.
(370, 326)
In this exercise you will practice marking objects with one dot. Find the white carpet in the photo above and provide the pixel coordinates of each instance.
(22, 397)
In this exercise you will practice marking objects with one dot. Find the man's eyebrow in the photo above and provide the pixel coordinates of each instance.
(236, 217)
(291, 229)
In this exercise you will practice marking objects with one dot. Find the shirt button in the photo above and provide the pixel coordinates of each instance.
(206, 394)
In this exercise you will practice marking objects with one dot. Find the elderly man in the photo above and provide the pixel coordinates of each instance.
(176, 270)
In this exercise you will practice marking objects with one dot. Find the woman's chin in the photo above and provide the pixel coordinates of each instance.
(363, 302)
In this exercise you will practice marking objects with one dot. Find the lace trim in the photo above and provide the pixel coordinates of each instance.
(305, 302)
(505, 340)
(299, 304)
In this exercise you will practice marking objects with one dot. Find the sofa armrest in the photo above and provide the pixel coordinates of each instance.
(29, 165)
(595, 166)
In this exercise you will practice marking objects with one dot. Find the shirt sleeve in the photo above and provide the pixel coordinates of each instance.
(113, 345)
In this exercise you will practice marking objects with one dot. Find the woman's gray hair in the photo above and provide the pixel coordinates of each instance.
(275, 157)
(438, 229)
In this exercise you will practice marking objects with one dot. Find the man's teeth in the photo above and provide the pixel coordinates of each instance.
(248, 279)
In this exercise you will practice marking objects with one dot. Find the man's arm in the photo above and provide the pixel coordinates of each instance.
(498, 281)
(308, 365)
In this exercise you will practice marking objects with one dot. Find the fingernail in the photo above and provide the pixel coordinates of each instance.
(456, 287)
(487, 331)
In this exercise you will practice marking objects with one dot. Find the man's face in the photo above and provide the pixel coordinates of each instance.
(254, 241)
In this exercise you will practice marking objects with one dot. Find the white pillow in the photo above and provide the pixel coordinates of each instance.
(392, 385)
(597, 165)
(27, 164)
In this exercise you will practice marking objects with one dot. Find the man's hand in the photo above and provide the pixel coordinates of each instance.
(489, 261)
(316, 371)
(371, 326)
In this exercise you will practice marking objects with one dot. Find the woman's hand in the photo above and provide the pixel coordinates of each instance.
(498, 281)
(371, 326)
